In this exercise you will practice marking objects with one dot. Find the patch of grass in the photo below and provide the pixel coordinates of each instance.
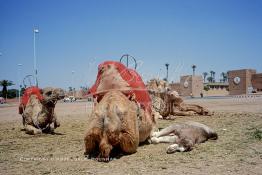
(257, 134)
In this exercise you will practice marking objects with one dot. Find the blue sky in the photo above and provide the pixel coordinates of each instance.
(77, 35)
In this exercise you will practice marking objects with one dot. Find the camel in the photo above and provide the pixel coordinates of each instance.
(37, 109)
(167, 103)
(122, 117)
(183, 136)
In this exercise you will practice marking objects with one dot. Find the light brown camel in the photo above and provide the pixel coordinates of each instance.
(167, 103)
(119, 120)
(38, 114)
(183, 136)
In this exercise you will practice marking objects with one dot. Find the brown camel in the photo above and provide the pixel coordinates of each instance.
(38, 113)
(167, 103)
(121, 118)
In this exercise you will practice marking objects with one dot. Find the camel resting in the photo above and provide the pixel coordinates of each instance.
(116, 122)
(122, 116)
(167, 103)
(37, 109)
(183, 136)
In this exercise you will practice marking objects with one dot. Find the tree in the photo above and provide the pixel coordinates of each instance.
(194, 69)
(5, 84)
(205, 75)
(210, 79)
(84, 88)
(12, 93)
(214, 80)
(206, 88)
(212, 75)
(224, 76)
(167, 64)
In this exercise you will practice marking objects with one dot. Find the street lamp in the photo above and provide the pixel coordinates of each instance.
(73, 82)
(35, 68)
(19, 82)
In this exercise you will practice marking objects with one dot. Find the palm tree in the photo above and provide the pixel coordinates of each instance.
(5, 84)
(205, 75)
(224, 77)
(166, 71)
(214, 80)
(194, 68)
(209, 79)
(212, 73)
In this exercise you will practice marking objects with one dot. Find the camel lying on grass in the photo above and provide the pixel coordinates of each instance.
(37, 109)
(116, 122)
(183, 136)
(121, 118)
(167, 103)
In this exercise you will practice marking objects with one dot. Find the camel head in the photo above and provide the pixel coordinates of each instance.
(174, 97)
(205, 111)
(52, 95)
(157, 85)
(111, 78)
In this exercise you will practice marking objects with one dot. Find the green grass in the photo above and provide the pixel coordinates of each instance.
(257, 134)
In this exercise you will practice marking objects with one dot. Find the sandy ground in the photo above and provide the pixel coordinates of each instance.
(235, 152)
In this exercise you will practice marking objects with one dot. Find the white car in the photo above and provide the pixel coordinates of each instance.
(69, 99)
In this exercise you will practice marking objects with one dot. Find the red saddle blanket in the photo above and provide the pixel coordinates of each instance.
(135, 84)
(28, 92)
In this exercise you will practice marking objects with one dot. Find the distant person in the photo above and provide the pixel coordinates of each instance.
(191, 95)
(201, 94)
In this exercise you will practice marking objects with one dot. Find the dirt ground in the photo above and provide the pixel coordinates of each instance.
(237, 151)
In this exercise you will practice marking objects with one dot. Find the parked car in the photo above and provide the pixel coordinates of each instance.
(2, 100)
(69, 99)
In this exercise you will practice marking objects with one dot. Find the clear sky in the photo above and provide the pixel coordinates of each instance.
(77, 35)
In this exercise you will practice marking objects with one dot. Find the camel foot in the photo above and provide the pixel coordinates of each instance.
(32, 130)
(49, 130)
(154, 140)
(174, 148)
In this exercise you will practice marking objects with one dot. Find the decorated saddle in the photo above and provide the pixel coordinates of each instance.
(113, 75)
(33, 90)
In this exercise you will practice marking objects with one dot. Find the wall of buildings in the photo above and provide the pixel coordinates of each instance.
(240, 80)
(191, 85)
(197, 85)
(175, 87)
(257, 82)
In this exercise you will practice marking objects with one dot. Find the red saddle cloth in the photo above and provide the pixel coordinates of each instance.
(28, 92)
(134, 80)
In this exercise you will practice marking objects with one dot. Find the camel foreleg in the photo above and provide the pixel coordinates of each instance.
(29, 129)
